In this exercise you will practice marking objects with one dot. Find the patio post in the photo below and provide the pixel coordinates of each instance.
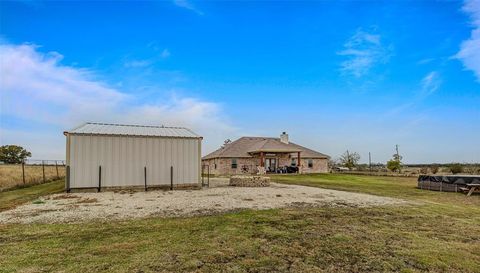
(299, 164)
(262, 163)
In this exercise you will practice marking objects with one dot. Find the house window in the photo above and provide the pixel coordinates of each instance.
(234, 163)
(310, 163)
(294, 162)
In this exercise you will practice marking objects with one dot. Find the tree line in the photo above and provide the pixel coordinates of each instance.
(351, 160)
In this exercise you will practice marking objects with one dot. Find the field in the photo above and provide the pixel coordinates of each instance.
(11, 175)
(438, 234)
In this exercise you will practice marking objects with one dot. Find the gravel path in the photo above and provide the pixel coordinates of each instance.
(80, 207)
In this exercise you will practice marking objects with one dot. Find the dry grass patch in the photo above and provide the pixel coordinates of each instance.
(11, 175)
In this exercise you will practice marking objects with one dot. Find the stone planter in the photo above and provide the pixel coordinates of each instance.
(249, 181)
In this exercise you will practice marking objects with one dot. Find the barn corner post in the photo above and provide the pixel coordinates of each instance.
(67, 179)
(67, 159)
(200, 165)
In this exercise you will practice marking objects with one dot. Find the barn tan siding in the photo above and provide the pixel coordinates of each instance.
(123, 159)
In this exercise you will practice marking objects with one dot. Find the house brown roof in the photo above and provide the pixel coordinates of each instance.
(245, 146)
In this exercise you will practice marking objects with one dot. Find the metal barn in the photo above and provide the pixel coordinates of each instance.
(103, 155)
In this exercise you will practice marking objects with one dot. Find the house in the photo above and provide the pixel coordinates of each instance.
(101, 155)
(246, 154)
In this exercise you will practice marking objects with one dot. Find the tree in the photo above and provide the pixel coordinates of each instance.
(434, 169)
(13, 154)
(456, 168)
(395, 164)
(349, 160)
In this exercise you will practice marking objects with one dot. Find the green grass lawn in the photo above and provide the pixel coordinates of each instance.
(441, 234)
(12, 198)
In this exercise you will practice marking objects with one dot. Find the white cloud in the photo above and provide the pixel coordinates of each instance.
(425, 61)
(137, 63)
(187, 5)
(469, 52)
(141, 63)
(165, 53)
(42, 93)
(363, 51)
(430, 83)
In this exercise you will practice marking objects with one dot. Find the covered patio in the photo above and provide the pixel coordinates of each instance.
(277, 157)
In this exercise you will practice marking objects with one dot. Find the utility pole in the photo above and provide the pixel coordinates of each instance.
(370, 161)
(398, 157)
(348, 160)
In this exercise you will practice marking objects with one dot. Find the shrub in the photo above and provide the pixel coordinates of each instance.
(456, 168)
(434, 169)
(424, 170)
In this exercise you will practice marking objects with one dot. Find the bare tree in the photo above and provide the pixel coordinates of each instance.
(349, 160)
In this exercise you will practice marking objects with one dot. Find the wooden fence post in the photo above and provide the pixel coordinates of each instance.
(23, 172)
(56, 167)
(43, 170)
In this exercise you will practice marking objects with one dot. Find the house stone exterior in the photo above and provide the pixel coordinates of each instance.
(246, 154)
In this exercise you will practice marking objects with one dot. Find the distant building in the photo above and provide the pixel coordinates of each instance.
(246, 154)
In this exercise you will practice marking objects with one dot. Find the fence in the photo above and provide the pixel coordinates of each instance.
(30, 172)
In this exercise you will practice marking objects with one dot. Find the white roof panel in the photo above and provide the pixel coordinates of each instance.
(91, 128)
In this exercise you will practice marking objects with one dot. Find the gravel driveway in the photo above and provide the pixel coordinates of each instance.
(79, 207)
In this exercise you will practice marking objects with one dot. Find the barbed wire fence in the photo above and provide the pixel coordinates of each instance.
(32, 171)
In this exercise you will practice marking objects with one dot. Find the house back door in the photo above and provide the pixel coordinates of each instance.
(270, 164)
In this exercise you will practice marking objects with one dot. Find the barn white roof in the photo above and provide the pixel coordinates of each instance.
(92, 128)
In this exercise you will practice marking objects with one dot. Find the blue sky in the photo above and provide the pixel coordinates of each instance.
(356, 75)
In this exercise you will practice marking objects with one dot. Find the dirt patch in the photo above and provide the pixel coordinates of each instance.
(104, 206)
(64, 196)
(87, 200)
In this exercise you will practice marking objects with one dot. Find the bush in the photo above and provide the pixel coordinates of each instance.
(424, 170)
(456, 168)
(434, 169)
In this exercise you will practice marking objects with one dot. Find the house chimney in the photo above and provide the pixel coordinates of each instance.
(284, 138)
